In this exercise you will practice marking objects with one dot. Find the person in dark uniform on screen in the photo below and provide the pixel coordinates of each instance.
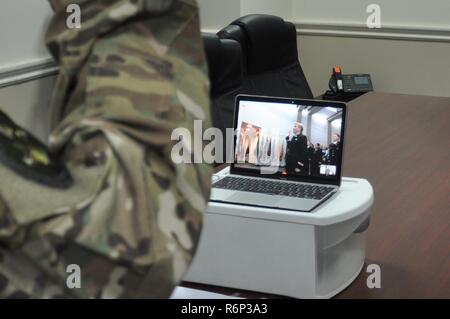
(316, 160)
(297, 151)
(334, 149)
(310, 156)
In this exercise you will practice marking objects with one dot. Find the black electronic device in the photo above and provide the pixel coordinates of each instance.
(345, 87)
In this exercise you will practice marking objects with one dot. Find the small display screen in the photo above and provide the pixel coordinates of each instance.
(289, 139)
(361, 80)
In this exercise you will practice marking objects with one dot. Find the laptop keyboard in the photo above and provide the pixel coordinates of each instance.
(273, 187)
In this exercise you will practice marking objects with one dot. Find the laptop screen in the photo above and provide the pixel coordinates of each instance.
(289, 138)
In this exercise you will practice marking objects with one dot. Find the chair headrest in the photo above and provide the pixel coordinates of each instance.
(267, 41)
(224, 63)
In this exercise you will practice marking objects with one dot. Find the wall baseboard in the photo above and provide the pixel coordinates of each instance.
(407, 33)
(28, 72)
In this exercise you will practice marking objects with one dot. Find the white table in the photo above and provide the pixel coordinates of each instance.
(302, 255)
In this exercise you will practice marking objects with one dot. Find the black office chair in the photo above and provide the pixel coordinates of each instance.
(224, 57)
(271, 65)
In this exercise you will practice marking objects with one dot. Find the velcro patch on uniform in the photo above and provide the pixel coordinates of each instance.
(28, 157)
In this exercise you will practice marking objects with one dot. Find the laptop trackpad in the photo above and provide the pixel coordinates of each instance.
(254, 199)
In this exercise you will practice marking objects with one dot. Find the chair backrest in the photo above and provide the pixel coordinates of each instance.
(225, 64)
(224, 58)
(256, 54)
(271, 65)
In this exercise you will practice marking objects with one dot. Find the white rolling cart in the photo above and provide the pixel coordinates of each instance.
(302, 255)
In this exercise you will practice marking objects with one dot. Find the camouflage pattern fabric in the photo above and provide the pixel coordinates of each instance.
(132, 218)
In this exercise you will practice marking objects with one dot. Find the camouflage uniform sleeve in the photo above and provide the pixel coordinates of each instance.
(132, 219)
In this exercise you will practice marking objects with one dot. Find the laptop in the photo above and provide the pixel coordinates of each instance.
(287, 153)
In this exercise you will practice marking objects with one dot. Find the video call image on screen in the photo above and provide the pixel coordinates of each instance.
(288, 139)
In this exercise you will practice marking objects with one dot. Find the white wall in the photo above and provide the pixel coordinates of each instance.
(304, 121)
(263, 115)
(28, 104)
(408, 55)
(22, 24)
(274, 118)
(281, 8)
(319, 129)
(412, 59)
(407, 67)
(216, 14)
(415, 14)
(336, 127)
